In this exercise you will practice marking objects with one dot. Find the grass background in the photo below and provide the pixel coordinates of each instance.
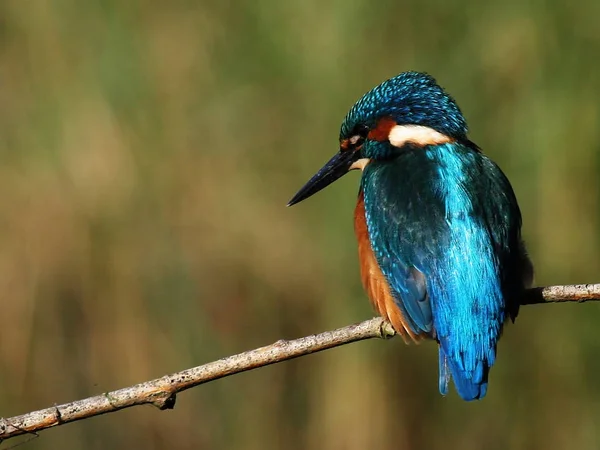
(147, 151)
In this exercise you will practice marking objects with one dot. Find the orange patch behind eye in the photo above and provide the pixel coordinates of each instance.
(381, 132)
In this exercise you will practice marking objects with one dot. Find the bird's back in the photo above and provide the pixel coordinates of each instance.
(446, 216)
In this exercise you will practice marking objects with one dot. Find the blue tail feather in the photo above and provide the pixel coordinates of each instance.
(444, 373)
(470, 385)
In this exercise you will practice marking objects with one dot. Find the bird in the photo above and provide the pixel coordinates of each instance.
(437, 222)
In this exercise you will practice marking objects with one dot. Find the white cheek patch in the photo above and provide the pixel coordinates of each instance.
(416, 134)
(360, 164)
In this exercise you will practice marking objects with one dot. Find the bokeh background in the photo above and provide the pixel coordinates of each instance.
(147, 151)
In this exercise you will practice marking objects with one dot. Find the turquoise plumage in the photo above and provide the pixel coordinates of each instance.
(443, 256)
(457, 226)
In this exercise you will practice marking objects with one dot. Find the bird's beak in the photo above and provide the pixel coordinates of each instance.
(336, 167)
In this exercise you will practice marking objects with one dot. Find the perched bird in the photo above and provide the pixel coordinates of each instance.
(437, 223)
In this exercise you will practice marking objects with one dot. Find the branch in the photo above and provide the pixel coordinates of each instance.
(579, 293)
(161, 392)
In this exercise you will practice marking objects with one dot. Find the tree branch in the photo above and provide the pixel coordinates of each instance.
(161, 392)
(579, 293)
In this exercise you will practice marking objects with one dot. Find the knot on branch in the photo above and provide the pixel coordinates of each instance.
(165, 400)
(386, 330)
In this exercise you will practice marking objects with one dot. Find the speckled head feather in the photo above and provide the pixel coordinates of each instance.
(411, 98)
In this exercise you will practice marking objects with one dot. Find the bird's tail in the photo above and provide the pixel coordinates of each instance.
(470, 385)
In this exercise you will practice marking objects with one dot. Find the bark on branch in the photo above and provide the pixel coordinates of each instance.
(161, 392)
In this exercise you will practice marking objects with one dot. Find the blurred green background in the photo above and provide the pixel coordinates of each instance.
(148, 150)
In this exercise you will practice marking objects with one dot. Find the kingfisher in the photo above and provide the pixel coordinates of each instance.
(437, 223)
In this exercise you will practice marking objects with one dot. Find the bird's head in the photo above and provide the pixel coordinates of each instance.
(410, 109)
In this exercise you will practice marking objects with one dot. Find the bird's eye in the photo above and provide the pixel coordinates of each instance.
(359, 134)
(356, 140)
(361, 130)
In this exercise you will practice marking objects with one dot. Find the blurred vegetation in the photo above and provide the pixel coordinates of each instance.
(147, 151)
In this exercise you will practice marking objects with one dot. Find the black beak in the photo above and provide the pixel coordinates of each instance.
(335, 168)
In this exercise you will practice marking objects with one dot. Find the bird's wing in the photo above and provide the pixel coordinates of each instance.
(409, 291)
(385, 299)
(413, 222)
(445, 226)
(393, 241)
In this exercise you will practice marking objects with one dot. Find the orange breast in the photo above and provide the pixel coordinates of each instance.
(374, 281)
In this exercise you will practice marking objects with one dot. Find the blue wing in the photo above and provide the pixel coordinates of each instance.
(445, 228)
(409, 287)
